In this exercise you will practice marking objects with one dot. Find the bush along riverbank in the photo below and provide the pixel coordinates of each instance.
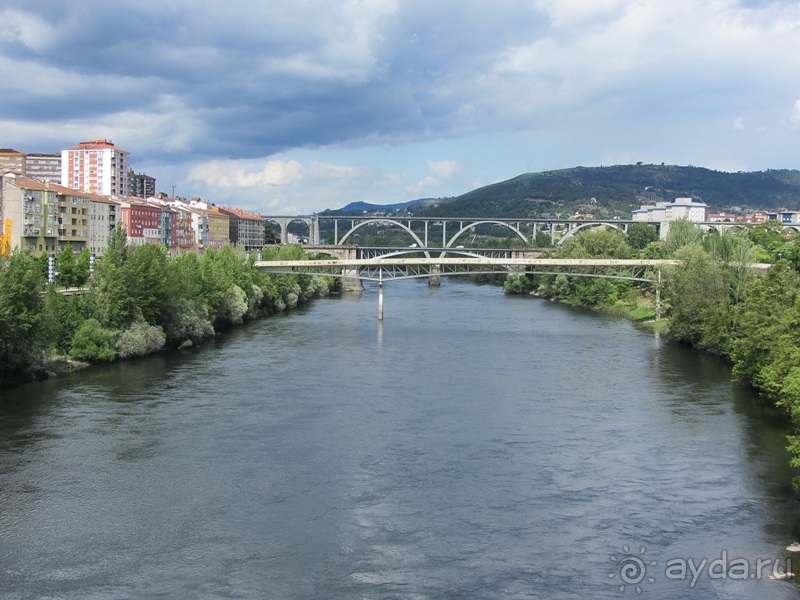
(713, 301)
(137, 301)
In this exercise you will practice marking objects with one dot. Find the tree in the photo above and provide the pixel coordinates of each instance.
(20, 315)
(641, 234)
(82, 267)
(145, 273)
(768, 330)
(93, 342)
(610, 243)
(681, 233)
(698, 305)
(542, 240)
(109, 291)
(65, 267)
(140, 339)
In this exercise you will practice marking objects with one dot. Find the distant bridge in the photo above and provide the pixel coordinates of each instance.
(348, 252)
(355, 270)
(444, 231)
(425, 231)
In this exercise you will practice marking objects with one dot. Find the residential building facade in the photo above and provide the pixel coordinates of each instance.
(96, 167)
(12, 161)
(663, 213)
(102, 219)
(44, 167)
(43, 217)
(785, 217)
(141, 185)
(142, 221)
(682, 208)
(246, 228)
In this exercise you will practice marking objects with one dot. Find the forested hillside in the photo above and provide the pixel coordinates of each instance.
(616, 190)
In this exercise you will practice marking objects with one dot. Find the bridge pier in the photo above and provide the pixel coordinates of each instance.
(351, 282)
(658, 297)
(435, 277)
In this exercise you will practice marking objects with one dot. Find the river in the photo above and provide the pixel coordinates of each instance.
(472, 445)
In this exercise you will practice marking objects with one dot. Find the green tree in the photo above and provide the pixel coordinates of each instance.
(542, 240)
(82, 267)
(698, 305)
(145, 273)
(768, 330)
(21, 351)
(610, 243)
(140, 339)
(93, 342)
(112, 302)
(65, 267)
(681, 233)
(641, 234)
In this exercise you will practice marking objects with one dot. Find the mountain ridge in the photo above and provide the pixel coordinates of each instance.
(613, 190)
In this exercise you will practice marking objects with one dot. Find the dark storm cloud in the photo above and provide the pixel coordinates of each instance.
(258, 77)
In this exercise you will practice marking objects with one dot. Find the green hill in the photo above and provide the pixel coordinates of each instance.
(616, 190)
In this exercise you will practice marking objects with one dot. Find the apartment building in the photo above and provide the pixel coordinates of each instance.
(246, 228)
(43, 217)
(141, 185)
(681, 208)
(142, 220)
(102, 219)
(785, 217)
(183, 232)
(12, 161)
(96, 167)
(44, 167)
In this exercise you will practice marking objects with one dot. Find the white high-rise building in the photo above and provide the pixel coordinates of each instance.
(96, 167)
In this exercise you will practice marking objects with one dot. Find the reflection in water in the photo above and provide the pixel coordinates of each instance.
(471, 445)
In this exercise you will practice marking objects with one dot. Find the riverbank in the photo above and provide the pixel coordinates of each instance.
(641, 310)
(138, 301)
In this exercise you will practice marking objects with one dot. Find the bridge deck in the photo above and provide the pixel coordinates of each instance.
(383, 269)
(283, 265)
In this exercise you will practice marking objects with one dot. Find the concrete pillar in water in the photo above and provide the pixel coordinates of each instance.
(380, 301)
(658, 297)
(350, 280)
(435, 277)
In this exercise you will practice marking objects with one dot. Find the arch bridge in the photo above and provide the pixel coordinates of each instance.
(442, 231)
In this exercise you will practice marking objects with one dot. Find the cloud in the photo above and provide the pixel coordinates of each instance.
(228, 174)
(27, 29)
(443, 168)
(442, 171)
(795, 119)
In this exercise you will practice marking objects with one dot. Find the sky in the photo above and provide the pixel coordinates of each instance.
(289, 107)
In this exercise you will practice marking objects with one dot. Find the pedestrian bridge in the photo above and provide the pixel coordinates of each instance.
(397, 267)
(386, 268)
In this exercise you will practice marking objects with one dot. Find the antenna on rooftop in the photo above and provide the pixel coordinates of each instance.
(173, 190)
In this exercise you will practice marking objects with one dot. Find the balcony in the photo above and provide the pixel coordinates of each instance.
(32, 232)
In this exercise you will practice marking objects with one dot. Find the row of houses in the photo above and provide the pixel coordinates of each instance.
(44, 217)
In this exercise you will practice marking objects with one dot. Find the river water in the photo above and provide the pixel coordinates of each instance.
(472, 445)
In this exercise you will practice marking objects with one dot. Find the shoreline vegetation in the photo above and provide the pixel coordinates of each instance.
(138, 301)
(712, 301)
